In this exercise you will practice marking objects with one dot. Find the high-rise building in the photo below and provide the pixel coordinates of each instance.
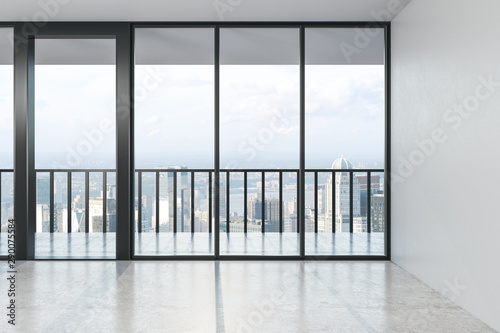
(60, 218)
(43, 191)
(255, 208)
(147, 213)
(166, 203)
(342, 197)
(271, 212)
(290, 215)
(378, 213)
(363, 193)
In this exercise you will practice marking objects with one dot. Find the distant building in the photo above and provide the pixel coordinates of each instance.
(147, 213)
(363, 193)
(342, 197)
(271, 212)
(378, 213)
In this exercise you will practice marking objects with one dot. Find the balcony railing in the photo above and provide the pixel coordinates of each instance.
(350, 172)
(3, 173)
(69, 199)
(225, 199)
(225, 220)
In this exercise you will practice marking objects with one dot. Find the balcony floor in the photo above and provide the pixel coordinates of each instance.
(102, 246)
(230, 296)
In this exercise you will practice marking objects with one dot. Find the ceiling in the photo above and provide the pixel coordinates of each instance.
(200, 10)
(280, 46)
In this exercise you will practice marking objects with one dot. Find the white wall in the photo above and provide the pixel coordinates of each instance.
(199, 10)
(445, 207)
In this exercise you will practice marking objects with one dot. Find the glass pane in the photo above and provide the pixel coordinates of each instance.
(6, 134)
(345, 105)
(259, 98)
(345, 116)
(75, 104)
(259, 133)
(174, 130)
(75, 111)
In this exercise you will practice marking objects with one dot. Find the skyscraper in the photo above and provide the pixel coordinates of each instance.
(378, 213)
(342, 197)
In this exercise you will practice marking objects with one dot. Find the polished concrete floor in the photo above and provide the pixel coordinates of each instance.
(102, 246)
(228, 296)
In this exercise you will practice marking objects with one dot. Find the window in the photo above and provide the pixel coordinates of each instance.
(345, 141)
(75, 139)
(174, 136)
(6, 133)
(242, 140)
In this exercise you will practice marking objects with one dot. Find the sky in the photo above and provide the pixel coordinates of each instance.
(259, 115)
(174, 115)
(6, 116)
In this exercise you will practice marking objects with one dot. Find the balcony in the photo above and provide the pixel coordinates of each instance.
(175, 212)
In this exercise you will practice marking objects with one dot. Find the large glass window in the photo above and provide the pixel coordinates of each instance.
(345, 140)
(246, 140)
(259, 140)
(174, 140)
(75, 139)
(258, 143)
(6, 133)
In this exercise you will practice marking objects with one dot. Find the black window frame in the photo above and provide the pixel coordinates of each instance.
(24, 169)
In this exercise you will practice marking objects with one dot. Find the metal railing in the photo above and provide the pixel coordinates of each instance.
(212, 198)
(69, 174)
(227, 199)
(333, 196)
(2, 172)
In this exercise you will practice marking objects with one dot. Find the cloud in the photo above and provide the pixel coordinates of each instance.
(154, 132)
(153, 119)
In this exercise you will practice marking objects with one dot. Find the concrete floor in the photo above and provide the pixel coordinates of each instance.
(206, 296)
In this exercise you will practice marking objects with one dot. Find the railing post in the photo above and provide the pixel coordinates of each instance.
(104, 201)
(281, 222)
(368, 202)
(157, 201)
(87, 204)
(245, 204)
(316, 202)
(351, 203)
(228, 198)
(175, 202)
(139, 202)
(192, 202)
(334, 218)
(51, 202)
(210, 202)
(263, 202)
(69, 198)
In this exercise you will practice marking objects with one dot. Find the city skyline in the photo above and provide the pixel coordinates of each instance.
(236, 208)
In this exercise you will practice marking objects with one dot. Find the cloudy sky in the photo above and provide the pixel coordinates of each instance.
(6, 115)
(259, 118)
(259, 115)
(174, 110)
